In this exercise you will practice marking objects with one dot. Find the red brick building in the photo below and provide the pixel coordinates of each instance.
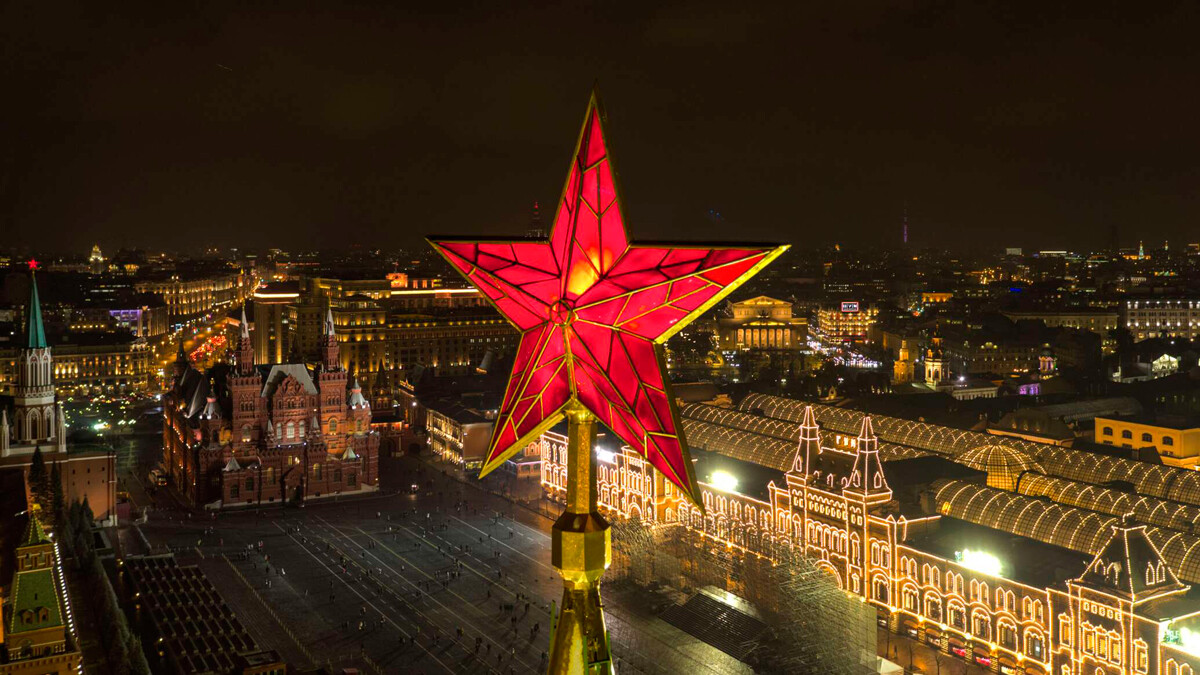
(241, 433)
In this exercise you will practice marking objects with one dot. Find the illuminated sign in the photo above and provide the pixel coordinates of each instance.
(849, 307)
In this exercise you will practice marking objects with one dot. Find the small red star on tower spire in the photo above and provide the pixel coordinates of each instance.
(33, 264)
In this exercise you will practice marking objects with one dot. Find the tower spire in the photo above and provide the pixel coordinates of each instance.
(35, 331)
(810, 443)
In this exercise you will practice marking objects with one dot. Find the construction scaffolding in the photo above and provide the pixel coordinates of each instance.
(812, 625)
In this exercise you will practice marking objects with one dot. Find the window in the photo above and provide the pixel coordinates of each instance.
(1108, 431)
(980, 625)
(1126, 434)
(1147, 438)
(233, 491)
(245, 433)
(1167, 440)
(291, 431)
(1064, 629)
(1008, 636)
(1034, 644)
(332, 426)
(958, 617)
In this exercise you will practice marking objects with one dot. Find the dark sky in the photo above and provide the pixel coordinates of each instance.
(188, 124)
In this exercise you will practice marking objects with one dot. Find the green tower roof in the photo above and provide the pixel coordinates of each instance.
(35, 534)
(35, 332)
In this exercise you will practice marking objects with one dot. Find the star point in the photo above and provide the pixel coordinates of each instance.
(593, 310)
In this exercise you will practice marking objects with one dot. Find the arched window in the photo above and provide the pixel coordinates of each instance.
(1107, 431)
(1167, 440)
(1126, 434)
(957, 614)
(879, 589)
(1147, 438)
(291, 431)
(332, 425)
(933, 607)
(245, 433)
(1034, 643)
(301, 428)
(981, 626)
(1008, 635)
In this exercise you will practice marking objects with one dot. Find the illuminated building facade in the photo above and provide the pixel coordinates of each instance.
(1178, 444)
(1000, 571)
(457, 434)
(250, 434)
(384, 330)
(93, 363)
(843, 322)
(191, 299)
(274, 320)
(1176, 318)
(762, 323)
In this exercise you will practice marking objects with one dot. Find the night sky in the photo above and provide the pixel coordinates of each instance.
(183, 125)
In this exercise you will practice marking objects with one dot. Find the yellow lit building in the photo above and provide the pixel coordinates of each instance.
(762, 323)
(1177, 444)
(189, 299)
(843, 322)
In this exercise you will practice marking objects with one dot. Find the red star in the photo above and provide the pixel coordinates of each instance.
(33, 264)
(593, 310)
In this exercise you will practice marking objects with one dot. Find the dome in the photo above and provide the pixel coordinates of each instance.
(1002, 464)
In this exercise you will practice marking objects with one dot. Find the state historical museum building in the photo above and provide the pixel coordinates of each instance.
(245, 434)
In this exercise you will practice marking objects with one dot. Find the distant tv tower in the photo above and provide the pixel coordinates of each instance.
(904, 232)
(536, 229)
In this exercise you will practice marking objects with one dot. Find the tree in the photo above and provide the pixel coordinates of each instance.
(37, 474)
(56, 493)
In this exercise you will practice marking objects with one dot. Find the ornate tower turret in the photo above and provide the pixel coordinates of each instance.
(34, 413)
(810, 443)
(245, 353)
(866, 478)
(329, 345)
(181, 362)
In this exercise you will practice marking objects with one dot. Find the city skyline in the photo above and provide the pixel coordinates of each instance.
(177, 129)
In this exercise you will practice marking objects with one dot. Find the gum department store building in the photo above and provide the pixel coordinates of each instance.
(245, 434)
(1020, 556)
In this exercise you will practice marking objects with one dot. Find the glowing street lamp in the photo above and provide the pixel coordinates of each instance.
(724, 481)
(593, 310)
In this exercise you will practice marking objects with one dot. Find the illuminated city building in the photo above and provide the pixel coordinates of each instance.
(457, 434)
(274, 317)
(1177, 441)
(1173, 318)
(1099, 321)
(91, 363)
(762, 323)
(1022, 564)
(843, 322)
(37, 629)
(937, 371)
(383, 330)
(251, 433)
(33, 419)
(903, 366)
(189, 299)
(96, 260)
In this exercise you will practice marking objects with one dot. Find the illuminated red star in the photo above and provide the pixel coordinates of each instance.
(593, 310)
(33, 264)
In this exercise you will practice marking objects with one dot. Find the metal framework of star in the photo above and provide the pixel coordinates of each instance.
(594, 309)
